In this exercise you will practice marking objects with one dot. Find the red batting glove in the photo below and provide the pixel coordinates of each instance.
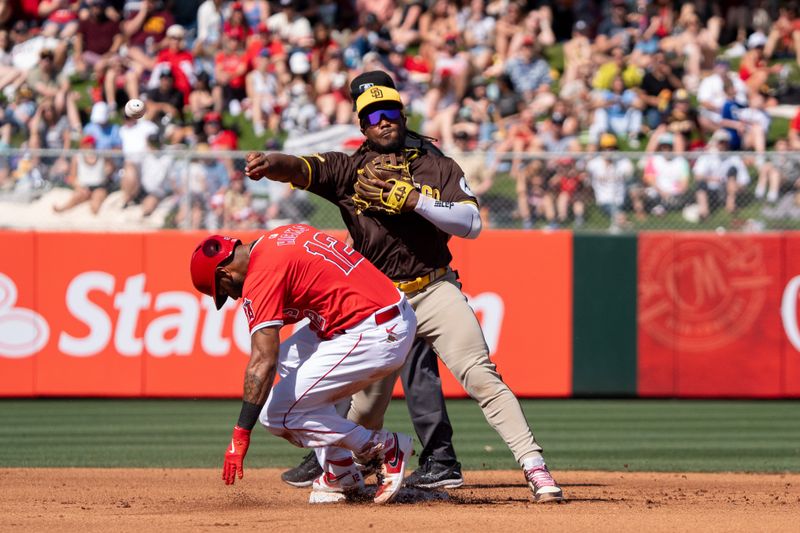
(234, 455)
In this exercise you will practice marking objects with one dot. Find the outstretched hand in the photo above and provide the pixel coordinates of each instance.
(234, 455)
(257, 165)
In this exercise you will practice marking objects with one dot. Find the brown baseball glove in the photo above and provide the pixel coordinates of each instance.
(383, 184)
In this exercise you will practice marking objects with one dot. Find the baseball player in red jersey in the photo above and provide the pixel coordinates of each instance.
(360, 330)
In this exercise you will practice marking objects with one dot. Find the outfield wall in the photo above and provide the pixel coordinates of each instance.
(653, 315)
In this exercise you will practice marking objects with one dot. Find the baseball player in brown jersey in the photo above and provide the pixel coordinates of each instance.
(422, 385)
(403, 229)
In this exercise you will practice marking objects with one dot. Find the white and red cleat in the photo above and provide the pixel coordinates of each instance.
(397, 449)
(337, 486)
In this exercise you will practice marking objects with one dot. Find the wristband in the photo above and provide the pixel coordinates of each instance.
(248, 416)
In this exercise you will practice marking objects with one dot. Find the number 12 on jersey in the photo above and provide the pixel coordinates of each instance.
(333, 251)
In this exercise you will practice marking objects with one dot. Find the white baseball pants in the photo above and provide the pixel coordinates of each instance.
(317, 373)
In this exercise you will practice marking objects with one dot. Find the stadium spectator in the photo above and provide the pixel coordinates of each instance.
(145, 30)
(60, 17)
(262, 94)
(230, 70)
(201, 99)
(236, 201)
(784, 37)
(665, 179)
(479, 176)
(617, 111)
(719, 178)
(577, 52)
(10, 77)
(534, 201)
(528, 70)
(255, 12)
(477, 29)
(236, 25)
(609, 177)
(682, 121)
(49, 80)
(209, 33)
(217, 137)
(330, 88)
(567, 185)
(52, 131)
(519, 138)
(615, 30)
(711, 95)
(779, 170)
(435, 26)
(89, 175)
(157, 175)
(164, 102)
(292, 27)
(176, 60)
(658, 84)
(98, 40)
(105, 134)
(753, 68)
(508, 25)
(134, 135)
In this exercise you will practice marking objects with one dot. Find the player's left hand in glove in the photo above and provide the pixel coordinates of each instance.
(384, 185)
(234, 455)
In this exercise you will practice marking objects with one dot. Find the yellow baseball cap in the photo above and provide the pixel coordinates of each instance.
(608, 140)
(377, 94)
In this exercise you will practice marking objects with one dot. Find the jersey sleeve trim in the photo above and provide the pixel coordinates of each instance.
(470, 201)
(267, 324)
(309, 175)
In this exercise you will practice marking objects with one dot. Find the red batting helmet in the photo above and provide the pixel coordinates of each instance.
(208, 255)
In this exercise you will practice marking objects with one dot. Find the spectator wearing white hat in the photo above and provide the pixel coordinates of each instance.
(175, 59)
(105, 134)
(753, 69)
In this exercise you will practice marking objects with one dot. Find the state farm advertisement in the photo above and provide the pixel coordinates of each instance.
(116, 315)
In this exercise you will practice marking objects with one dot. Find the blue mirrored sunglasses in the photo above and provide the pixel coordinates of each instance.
(374, 118)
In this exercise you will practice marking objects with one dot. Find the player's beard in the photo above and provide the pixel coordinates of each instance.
(383, 145)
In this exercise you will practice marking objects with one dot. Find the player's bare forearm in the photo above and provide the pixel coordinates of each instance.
(259, 375)
(277, 167)
(258, 380)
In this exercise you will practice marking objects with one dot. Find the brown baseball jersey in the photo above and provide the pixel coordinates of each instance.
(403, 246)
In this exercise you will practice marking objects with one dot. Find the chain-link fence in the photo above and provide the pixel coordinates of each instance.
(603, 191)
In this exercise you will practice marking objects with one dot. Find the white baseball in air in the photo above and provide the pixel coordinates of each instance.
(134, 108)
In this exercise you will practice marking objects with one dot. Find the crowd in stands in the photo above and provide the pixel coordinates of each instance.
(497, 82)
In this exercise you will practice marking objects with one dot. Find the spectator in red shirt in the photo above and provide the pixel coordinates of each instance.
(236, 26)
(61, 17)
(231, 66)
(218, 138)
(177, 60)
(263, 38)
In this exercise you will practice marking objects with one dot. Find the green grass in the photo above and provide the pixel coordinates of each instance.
(636, 435)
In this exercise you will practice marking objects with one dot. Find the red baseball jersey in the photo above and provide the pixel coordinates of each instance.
(298, 272)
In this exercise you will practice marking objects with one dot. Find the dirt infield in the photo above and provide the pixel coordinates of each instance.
(88, 500)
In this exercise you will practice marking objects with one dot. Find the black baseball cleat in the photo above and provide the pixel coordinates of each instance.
(304, 474)
(435, 475)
